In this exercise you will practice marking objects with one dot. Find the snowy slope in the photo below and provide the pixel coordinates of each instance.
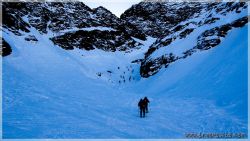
(48, 95)
(49, 92)
(56, 85)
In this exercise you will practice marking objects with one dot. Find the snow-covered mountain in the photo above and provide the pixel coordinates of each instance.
(71, 25)
(172, 22)
(159, 19)
(70, 71)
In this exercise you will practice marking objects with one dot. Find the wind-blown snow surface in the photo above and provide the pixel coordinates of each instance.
(52, 93)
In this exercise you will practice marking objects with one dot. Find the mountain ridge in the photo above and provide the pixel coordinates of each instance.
(68, 79)
(75, 25)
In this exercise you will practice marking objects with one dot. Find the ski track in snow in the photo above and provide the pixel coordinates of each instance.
(48, 93)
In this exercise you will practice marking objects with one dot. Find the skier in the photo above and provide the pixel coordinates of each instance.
(146, 101)
(142, 107)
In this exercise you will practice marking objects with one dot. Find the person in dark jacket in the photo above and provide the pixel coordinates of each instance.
(142, 107)
(146, 101)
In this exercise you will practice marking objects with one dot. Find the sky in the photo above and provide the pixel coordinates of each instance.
(117, 7)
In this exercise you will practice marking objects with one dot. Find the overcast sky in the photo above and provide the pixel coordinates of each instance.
(117, 7)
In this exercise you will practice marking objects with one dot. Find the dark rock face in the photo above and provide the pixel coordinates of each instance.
(89, 40)
(131, 30)
(179, 27)
(211, 20)
(6, 49)
(106, 17)
(150, 51)
(212, 37)
(185, 33)
(31, 38)
(207, 40)
(13, 20)
(155, 18)
(207, 44)
(58, 17)
(174, 21)
(152, 66)
(188, 53)
(240, 22)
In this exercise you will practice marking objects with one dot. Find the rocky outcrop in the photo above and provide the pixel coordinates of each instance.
(212, 37)
(89, 40)
(207, 40)
(152, 66)
(66, 21)
(6, 49)
(157, 18)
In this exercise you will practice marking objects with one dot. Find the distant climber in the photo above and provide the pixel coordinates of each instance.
(146, 101)
(142, 107)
